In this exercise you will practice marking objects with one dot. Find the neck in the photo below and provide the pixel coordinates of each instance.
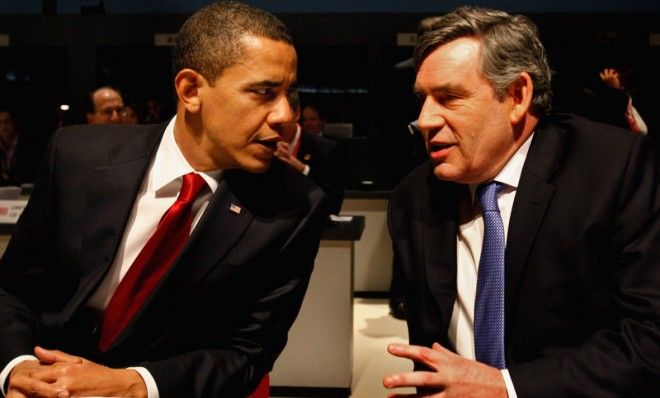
(189, 137)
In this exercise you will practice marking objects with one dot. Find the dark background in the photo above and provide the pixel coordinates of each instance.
(59, 50)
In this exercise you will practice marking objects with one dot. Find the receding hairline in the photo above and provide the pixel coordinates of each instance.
(474, 44)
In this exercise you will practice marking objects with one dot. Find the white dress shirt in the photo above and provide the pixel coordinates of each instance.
(468, 252)
(295, 142)
(157, 193)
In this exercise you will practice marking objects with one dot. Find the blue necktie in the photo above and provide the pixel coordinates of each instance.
(489, 303)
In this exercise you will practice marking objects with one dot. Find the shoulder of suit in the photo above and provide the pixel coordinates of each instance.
(578, 132)
(108, 135)
(279, 183)
(414, 182)
(320, 141)
(91, 131)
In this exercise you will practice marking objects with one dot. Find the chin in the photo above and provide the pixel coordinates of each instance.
(447, 173)
(257, 166)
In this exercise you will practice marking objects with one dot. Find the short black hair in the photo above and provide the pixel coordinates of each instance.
(210, 40)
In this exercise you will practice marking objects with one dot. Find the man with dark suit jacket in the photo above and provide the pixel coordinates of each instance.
(576, 311)
(315, 156)
(214, 324)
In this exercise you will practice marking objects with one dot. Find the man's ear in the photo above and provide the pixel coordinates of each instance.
(521, 92)
(187, 84)
(90, 117)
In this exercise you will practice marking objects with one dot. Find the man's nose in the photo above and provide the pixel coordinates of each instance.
(282, 112)
(430, 116)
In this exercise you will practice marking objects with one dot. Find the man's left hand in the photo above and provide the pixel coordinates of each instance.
(450, 376)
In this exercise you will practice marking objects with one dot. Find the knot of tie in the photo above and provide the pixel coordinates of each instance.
(487, 194)
(192, 184)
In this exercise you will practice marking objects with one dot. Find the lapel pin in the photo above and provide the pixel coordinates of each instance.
(235, 208)
(307, 156)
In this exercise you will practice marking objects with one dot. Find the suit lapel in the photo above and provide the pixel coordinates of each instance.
(533, 197)
(110, 199)
(304, 152)
(224, 221)
(439, 228)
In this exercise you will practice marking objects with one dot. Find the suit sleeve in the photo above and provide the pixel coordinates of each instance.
(622, 359)
(27, 276)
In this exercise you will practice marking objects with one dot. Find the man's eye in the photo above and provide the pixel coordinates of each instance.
(263, 91)
(447, 98)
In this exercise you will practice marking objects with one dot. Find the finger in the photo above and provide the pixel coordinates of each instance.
(15, 394)
(415, 379)
(428, 356)
(441, 349)
(52, 356)
(431, 395)
(32, 387)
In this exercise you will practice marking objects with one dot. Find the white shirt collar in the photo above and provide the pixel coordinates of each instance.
(510, 174)
(512, 170)
(170, 164)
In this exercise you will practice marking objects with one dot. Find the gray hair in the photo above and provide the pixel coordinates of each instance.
(211, 39)
(511, 45)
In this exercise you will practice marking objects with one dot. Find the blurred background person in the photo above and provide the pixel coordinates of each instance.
(105, 105)
(129, 116)
(602, 88)
(8, 146)
(317, 157)
(313, 121)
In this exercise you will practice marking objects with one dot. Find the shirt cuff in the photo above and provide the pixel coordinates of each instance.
(152, 388)
(4, 375)
(507, 381)
(306, 170)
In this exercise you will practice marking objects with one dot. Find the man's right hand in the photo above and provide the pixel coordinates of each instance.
(32, 379)
(283, 152)
(61, 375)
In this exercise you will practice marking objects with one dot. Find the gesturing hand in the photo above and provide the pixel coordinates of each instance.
(450, 376)
(612, 78)
(283, 152)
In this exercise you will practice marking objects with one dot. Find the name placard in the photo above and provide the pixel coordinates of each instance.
(10, 210)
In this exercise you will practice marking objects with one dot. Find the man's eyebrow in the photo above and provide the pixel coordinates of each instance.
(440, 89)
(264, 84)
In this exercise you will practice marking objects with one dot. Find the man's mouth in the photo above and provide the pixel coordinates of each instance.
(434, 147)
(270, 142)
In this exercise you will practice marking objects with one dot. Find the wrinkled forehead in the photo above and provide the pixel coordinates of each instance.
(450, 63)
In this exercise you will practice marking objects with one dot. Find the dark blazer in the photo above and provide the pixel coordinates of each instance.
(324, 158)
(582, 262)
(218, 319)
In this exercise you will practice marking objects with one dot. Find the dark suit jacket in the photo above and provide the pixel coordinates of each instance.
(323, 156)
(582, 263)
(218, 319)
